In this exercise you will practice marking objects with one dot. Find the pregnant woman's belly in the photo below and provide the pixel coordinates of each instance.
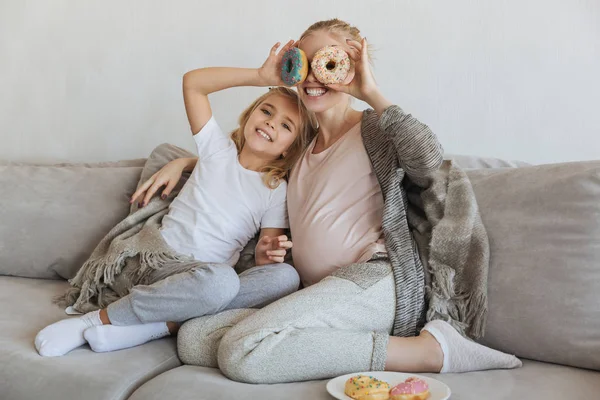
(333, 241)
(335, 207)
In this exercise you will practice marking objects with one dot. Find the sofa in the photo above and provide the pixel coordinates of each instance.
(543, 224)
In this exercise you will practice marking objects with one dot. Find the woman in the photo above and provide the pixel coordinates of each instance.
(352, 246)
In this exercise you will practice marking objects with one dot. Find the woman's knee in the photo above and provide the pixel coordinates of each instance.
(199, 339)
(234, 361)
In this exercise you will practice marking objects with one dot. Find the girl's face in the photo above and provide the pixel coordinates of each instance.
(314, 94)
(272, 127)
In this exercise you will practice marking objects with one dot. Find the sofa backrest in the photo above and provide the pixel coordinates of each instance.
(52, 217)
(543, 224)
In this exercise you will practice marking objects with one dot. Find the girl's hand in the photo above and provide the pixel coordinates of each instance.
(270, 250)
(362, 84)
(168, 176)
(270, 72)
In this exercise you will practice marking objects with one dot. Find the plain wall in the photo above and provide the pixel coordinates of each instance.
(101, 80)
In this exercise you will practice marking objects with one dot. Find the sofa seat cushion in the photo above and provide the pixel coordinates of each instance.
(25, 308)
(535, 381)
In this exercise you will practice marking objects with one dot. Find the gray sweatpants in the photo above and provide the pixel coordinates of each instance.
(337, 326)
(186, 290)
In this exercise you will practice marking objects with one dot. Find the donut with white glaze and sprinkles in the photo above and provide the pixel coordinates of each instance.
(331, 64)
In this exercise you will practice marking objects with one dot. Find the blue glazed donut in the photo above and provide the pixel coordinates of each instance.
(294, 67)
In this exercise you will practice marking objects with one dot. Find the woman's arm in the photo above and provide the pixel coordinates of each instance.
(419, 152)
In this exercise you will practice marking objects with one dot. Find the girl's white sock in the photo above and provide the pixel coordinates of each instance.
(110, 337)
(63, 336)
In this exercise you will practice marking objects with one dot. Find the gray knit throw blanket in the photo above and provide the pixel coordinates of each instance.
(454, 249)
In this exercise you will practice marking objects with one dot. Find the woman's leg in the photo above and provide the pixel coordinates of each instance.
(459, 354)
(337, 326)
(199, 338)
(340, 326)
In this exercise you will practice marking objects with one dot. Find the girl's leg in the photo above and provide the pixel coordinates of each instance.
(111, 337)
(197, 291)
(260, 286)
(65, 335)
(192, 291)
(282, 280)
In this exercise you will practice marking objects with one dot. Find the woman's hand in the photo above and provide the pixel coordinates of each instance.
(168, 176)
(270, 72)
(362, 84)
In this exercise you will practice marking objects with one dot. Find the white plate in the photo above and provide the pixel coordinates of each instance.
(438, 390)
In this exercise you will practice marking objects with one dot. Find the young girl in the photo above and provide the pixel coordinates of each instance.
(237, 188)
(353, 247)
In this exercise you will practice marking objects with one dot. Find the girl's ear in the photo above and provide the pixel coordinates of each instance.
(284, 154)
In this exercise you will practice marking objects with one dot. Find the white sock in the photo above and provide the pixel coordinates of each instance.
(464, 355)
(110, 338)
(63, 336)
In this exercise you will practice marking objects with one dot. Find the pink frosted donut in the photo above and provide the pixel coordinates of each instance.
(411, 389)
(331, 64)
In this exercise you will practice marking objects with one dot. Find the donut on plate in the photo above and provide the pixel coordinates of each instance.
(362, 387)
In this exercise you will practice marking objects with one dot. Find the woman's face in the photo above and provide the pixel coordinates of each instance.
(314, 94)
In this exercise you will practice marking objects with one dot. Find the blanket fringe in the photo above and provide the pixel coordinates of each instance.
(477, 315)
(467, 313)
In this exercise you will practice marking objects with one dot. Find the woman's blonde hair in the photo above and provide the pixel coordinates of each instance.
(279, 169)
(336, 26)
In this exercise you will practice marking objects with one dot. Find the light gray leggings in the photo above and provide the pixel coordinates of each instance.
(187, 290)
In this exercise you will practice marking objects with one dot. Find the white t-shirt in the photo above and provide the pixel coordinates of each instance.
(222, 205)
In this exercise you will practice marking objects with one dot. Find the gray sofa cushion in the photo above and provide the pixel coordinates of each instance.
(543, 224)
(474, 162)
(25, 308)
(535, 381)
(54, 216)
